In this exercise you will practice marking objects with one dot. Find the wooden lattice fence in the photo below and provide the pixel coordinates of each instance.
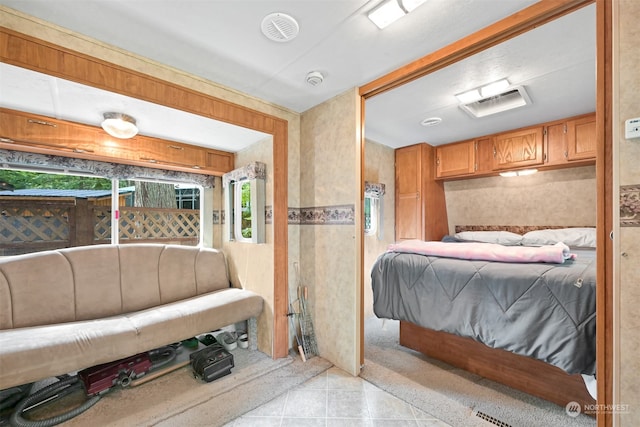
(148, 224)
(36, 225)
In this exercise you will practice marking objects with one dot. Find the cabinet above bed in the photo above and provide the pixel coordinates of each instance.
(559, 144)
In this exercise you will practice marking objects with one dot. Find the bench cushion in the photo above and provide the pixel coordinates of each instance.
(34, 353)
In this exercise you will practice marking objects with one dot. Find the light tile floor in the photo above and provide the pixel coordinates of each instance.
(337, 399)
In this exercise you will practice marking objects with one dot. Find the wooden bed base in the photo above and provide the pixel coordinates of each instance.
(519, 372)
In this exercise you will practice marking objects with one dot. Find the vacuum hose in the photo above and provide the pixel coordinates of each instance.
(162, 356)
(11, 396)
(61, 388)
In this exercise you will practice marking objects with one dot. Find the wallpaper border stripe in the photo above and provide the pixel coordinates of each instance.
(630, 205)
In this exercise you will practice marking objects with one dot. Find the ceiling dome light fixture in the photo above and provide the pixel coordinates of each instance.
(119, 125)
(279, 27)
(314, 78)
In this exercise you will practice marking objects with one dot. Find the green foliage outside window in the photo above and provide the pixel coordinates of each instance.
(24, 180)
(246, 210)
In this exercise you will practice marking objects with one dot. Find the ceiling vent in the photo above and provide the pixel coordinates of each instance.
(508, 100)
(431, 121)
(280, 27)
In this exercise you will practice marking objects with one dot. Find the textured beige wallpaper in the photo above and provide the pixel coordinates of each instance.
(379, 168)
(627, 264)
(330, 175)
(558, 197)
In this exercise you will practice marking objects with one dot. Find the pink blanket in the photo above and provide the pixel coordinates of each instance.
(557, 253)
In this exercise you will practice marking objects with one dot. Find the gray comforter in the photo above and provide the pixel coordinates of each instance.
(545, 311)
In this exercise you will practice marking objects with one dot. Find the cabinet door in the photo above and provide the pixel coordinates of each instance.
(556, 143)
(484, 155)
(45, 133)
(581, 138)
(171, 153)
(518, 149)
(455, 159)
(219, 161)
(113, 148)
(408, 197)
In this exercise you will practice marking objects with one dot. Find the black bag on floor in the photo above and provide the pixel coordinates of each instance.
(211, 362)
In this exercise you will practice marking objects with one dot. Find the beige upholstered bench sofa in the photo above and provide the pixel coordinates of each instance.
(65, 310)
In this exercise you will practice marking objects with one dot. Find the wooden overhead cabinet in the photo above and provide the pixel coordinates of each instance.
(571, 141)
(171, 153)
(457, 159)
(518, 149)
(562, 143)
(23, 131)
(45, 134)
(421, 211)
(581, 138)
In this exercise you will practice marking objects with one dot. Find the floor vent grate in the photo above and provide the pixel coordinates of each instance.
(490, 419)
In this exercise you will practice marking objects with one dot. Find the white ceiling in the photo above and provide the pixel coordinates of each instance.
(220, 40)
(42, 94)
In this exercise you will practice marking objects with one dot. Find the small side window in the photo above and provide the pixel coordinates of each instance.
(246, 211)
(373, 196)
(370, 215)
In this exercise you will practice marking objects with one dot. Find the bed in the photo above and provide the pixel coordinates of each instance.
(515, 307)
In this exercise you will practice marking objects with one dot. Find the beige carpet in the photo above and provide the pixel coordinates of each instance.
(178, 399)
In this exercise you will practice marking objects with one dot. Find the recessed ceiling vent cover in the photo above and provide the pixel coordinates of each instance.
(280, 27)
(512, 98)
(431, 121)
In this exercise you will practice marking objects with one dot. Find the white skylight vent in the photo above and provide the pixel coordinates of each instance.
(508, 100)
(280, 27)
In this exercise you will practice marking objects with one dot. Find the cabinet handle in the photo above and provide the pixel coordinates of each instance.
(82, 150)
(437, 160)
(175, 147)
(164, 162)
(44, 144)
(566, 154)
(41, 122)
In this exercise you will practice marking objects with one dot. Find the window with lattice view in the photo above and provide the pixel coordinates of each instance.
(42, 210)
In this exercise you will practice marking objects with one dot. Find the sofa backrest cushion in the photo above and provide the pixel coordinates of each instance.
(40, 289)
(139, 281)
(96, 276)
(98, 281)
(211, 271)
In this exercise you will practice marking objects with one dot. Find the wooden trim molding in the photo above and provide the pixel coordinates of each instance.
(604, 215)
(48, 58)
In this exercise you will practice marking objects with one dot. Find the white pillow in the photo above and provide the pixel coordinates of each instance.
(572, 237)
(501, 237)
